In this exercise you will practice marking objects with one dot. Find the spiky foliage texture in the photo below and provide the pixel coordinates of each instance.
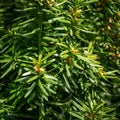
(59, 59)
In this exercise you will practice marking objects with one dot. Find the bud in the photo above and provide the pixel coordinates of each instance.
(109, 27)
(118, 55)
(74, 51)
(41, 70)
(110, 20)
(37, 69)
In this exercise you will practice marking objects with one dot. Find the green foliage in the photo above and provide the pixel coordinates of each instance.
(59, 59)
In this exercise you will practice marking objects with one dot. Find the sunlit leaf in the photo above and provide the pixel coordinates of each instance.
(75, 114)
(31, 79)
(10, 68)
(30, 89)
(42, 88)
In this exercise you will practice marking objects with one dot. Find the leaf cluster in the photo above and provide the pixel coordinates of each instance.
(59, 59)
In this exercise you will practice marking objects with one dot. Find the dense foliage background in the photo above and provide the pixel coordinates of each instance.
(59, 59)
